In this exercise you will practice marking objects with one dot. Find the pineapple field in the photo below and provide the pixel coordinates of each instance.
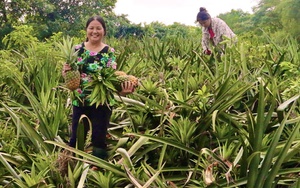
(225, 120)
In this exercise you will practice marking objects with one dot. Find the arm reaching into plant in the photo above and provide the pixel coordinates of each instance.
(214, 31)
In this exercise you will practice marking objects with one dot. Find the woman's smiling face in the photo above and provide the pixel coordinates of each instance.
(95, 31)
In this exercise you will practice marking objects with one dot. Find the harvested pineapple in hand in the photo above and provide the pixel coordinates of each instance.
(72, 79)
(120, 73)
(123, 77)
(68, 52)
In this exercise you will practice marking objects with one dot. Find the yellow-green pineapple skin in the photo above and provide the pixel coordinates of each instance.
(72, 80)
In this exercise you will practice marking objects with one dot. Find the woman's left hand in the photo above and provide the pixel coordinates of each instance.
(127, 88)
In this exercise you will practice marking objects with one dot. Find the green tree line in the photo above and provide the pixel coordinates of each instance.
(46, 17)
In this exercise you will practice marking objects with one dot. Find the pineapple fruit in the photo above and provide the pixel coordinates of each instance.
(123, 77)
(133, 80)
(72, 79)
(68, 52)
(120, 73)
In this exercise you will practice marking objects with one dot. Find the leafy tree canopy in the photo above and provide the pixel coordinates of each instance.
(47, 17)
(238, 20)
(51, 16)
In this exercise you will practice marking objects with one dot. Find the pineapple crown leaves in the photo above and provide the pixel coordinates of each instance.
(68, 51)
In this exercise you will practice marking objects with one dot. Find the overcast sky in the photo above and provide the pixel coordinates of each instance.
(182, 11)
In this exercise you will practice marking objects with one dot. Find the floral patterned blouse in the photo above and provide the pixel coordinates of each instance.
(88, 63)
(220, 29)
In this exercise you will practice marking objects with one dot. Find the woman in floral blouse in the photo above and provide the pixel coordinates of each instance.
(93, 56)
(214, 31)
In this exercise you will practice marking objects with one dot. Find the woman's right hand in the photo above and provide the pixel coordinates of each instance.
(65, 68)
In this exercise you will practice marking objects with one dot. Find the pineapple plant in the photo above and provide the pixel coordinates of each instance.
(69, 53)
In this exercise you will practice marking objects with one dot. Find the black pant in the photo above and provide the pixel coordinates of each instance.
(99, 118)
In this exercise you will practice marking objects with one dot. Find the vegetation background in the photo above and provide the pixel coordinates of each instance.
(194, 121)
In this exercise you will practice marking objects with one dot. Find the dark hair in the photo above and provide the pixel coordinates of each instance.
(99, 19)
(203, 14)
